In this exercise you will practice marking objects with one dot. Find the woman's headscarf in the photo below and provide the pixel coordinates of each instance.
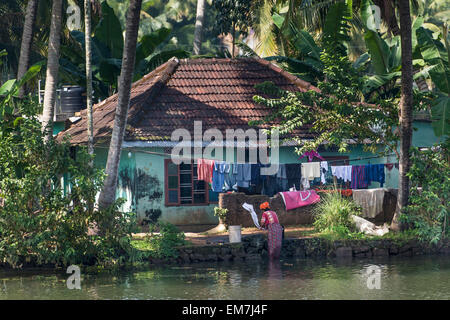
(264, 205)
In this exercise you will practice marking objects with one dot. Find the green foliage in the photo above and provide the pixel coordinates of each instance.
(109, 32)
(107, 46)
(163, 245)
(436, 54)
(221, 213)
(333, 215)
(304, 59)
(428, 210)
(337, 113)
(11, 87)
(233, 15)
(47, 194)
(336, 28)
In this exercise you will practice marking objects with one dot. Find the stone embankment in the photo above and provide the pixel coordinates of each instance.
(254, 247)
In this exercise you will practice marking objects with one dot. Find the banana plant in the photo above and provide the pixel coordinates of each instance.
(107, 47)
(9, 117)
(306, 62)
(435, 51)
(383, 59)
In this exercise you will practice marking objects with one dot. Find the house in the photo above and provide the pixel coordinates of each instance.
(217, 92)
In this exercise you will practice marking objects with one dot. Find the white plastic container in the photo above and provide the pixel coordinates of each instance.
(234, 232)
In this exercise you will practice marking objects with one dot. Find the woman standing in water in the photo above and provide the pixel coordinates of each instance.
(269, 221)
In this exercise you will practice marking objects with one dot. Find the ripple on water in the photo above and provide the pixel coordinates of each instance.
(400, 278)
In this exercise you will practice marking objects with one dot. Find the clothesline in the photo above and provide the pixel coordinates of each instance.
(363, 158)
(329, 161)
(193, 157)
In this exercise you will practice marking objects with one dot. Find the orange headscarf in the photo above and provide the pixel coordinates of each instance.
(264, 205)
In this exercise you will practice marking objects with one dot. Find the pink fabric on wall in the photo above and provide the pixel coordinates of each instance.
(205, 169)
(296, 199)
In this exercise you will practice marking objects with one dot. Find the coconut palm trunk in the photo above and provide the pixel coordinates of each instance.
(88, 53)
(199, 26)
(406, 114)
(108, 193)
(25, 46)
(51, 78)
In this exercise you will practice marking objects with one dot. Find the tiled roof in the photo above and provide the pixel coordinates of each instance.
(218, 92)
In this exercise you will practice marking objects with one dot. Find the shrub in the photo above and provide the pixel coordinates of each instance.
(48, 195)
(333, 215)
(163, 245)
(428, 209)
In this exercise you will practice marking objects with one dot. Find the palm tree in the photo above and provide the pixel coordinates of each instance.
(25, 47)
(406, 114)
(199, 26)
(88, 54)
(108, 193)
(51, 78)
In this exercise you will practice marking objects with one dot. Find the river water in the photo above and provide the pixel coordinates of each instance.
(399, 278)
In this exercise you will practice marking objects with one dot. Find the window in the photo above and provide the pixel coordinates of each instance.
(182, 187)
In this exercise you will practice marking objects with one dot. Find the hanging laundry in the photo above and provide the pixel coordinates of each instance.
(376, 173)
(282, 183)
(230, 182)
(205, 169)
(342, 172)
(281, 173)
(305, 183)
(371, 201)
(218, 178)
(311, 170)
(296, 199)
(257, 178)
(323, 171)
(243, 175)
(360, 177)
(294, 174)
(270, 186)
(311, 155)
(389, 166)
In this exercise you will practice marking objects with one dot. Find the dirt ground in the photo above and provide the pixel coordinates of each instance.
(201, 239)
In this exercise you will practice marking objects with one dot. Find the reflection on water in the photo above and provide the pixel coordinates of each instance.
(401, 278)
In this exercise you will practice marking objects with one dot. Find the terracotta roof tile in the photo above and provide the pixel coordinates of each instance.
(218, 92)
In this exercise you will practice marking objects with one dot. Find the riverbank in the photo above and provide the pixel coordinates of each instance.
(254, 247)
(300, 242)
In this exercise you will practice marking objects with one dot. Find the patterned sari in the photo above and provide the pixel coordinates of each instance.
(270, 221)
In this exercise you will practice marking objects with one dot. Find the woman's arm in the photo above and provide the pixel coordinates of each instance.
(263, 221)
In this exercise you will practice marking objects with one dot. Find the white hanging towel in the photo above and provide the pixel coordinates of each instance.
(250, 209)
(342, 172)
(311, 170)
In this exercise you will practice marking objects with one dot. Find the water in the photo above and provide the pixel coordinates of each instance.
(400, 278)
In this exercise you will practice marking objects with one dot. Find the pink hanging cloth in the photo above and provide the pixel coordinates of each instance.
(205, 169)
(296, 199)
(311, 155)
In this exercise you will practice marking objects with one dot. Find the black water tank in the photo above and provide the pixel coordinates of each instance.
(72, 99)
